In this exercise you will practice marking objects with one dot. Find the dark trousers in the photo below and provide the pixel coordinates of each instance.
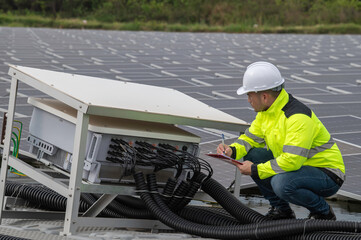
(306, 187)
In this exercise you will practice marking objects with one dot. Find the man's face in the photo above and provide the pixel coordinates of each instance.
(256, 101)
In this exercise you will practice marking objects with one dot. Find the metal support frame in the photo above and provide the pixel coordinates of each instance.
(73, 190)
(99, 205)
(6, 152)
(72, 206)
(75, 187)
(237, 183)
(40, 176)
(122, 222)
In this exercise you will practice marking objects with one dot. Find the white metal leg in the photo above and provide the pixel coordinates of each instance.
(237, 183)
(7, 144)
(99, 205)
(72, 207)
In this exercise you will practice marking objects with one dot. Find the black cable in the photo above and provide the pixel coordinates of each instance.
(199, 164)
(42, 198)
(169, 189)
(127, 211)
(5, 237)
(265, 230)
(124, 154)
(206, 215)
(178, 194)
(161, 158)
(130, 201)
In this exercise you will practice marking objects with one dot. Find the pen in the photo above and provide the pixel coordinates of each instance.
(223, 142)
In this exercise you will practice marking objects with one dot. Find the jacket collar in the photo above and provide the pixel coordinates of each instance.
(279, 103)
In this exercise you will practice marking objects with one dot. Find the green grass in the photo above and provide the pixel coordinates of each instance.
(38, 21)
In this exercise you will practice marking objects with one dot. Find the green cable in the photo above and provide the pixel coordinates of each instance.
(14, 152)
(21, 130)
(16, 146)
(14, 142)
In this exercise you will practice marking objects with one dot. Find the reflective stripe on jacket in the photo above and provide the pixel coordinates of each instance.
(295, 136)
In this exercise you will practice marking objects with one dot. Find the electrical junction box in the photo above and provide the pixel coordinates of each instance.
(52, 130)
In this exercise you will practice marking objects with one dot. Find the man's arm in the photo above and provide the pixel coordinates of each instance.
(298, 141)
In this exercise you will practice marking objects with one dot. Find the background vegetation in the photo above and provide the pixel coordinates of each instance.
(310, 16)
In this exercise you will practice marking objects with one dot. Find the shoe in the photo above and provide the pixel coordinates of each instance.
(330, 216)
(276, 214)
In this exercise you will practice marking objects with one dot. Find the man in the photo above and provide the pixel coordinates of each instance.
(301, 164)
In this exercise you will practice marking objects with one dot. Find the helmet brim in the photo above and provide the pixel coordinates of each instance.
(241, 91)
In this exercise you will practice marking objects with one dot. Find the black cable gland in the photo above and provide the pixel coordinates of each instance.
(178, 195)
(194, 186)
(169, 189)
(139, 177)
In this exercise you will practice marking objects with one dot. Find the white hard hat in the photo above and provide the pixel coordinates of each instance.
(260, 76)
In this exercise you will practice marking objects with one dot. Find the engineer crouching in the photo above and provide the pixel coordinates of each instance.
(287, 150)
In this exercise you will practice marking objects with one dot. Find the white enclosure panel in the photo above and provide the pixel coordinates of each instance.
(127, 100)
(106, 125)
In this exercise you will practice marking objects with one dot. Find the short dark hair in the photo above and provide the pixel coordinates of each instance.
(274, 92)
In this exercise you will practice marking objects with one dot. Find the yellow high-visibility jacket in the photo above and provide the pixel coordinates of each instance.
(296, 138)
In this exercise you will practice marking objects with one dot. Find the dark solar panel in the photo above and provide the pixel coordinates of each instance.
(323, 71)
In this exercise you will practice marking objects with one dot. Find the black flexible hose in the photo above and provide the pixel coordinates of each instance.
(325, 236)
(39, 197)
(130, 201)
(230, 203)
(249, 231)
(90, 200)
(192, 190)
(120, 211)
(210, 187)
(282, 229)
(198, 214)
(5, 237)
(169, 189)
(129, 212)
(178, 194)
(204, 216)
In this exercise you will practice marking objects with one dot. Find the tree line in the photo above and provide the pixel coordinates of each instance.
(210, 12)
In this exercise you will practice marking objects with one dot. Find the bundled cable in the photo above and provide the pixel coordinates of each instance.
(5, 237)
(264, 230)
(106, 212)
(207, 215)
(159, 158)
(192, 162)
(130, 201)
(121, 152)
(169, 189)
(128, 211)
(39, 197)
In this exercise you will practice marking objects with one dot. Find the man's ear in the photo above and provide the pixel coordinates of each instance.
(267, 98)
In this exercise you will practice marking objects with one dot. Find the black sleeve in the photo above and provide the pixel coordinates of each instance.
(234, 152)
(254, 172)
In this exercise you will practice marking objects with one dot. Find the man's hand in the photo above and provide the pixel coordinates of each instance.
(224, 149)
(245, 168)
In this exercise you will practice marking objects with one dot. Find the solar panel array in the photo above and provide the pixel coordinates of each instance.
(323, 71)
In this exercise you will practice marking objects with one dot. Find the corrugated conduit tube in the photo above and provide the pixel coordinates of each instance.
(262, 230)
